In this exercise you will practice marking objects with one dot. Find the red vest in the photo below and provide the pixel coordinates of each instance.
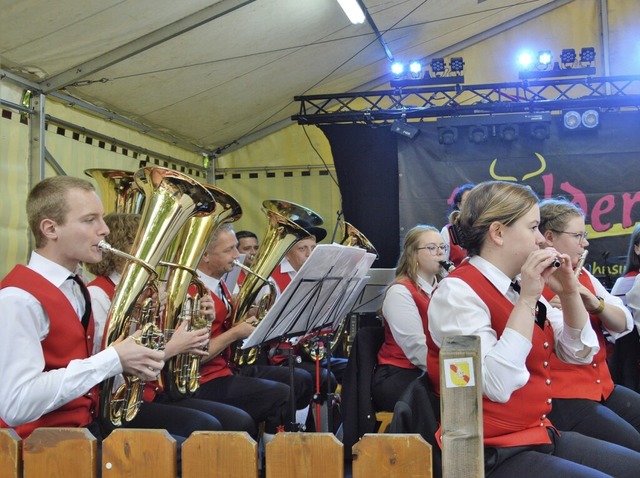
(522, 420)
(282, 279)
(592, 381)
(390, 353)
(218, 366)
(241, 277)
(67, 340)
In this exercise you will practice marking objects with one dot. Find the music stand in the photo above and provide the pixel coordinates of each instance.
(322, 291)
(370, 300)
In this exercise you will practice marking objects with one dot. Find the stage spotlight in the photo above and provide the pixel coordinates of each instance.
(590, 119)
(525, 59)
(568, 57)
(397, 68)
(508, 132)
(478, 134)
(572, 119)
(447, 135)
(588, 55)
(544, 57)
(540, 130)
(415, 68)
(456, 64)
(437, 65)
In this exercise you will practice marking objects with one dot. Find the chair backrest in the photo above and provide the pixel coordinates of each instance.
(357, 404)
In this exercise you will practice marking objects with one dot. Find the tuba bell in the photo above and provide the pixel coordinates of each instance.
(282, 233)
(182, 372)
(171, 199)
(118, 190)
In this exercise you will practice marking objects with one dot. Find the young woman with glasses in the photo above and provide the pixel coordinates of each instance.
(499, 228)
(403, 355)
(585, 398)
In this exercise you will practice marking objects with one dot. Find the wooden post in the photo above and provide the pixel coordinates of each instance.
(219, 455)
(130, 452)
(392, 456)
(461, 407)
(60, 453)
(10, 454)
(312, 455)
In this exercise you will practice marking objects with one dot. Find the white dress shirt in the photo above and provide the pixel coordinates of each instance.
(611, 301)
(633, 302)
(26, 391)
(455, 309)
(401, 315)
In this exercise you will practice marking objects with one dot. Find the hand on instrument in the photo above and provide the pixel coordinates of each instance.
(187, 341)
(245, 328)
(138, 360)
(208, 307)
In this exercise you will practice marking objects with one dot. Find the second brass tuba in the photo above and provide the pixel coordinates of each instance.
(182, 372)
(171, 199)
(282, 233)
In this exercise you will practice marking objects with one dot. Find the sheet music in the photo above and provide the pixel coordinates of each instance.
(325, 286)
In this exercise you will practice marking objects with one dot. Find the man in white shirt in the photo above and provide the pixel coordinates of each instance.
(49, 376)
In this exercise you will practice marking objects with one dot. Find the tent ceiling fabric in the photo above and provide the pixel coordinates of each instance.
(236, 75)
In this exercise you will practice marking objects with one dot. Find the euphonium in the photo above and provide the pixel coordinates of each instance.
(182, 372)
(118, 190)
(171, 199)
(282, 233)
(352, 237)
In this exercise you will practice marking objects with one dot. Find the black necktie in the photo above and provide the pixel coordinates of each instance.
(224, 295)
(87, 300)
(541, 309)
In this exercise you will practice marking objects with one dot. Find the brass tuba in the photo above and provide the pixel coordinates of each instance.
(118, 190)
(182, 372)
(282, 233)
(171, 199)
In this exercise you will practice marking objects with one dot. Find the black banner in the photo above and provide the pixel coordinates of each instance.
(598, 169)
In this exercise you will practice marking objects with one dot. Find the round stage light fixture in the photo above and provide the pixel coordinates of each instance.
(572, 119)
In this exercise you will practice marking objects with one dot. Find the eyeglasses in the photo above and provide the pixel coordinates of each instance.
(580, 236)
(433, 249)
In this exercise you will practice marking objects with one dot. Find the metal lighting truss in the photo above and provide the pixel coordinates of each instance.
(529, 96)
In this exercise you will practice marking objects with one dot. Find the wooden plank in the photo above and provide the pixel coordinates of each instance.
(129, 452)
(461, 407)
(10, 454)
(60, 453)
(312, 455)
(219, 455)
(393, 456)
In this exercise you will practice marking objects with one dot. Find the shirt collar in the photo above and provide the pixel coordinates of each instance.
(52, 271)
(425, 286)
(498, 278)
(210, 282)
(286, 267)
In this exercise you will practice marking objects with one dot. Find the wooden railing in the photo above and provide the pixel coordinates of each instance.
(73, 453)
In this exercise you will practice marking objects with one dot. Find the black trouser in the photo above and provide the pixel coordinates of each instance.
(264, 400)
(388, 384)
(570, 455)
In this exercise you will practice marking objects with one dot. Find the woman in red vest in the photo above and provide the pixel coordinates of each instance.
(496, 295)
(585, 398)
(456, 253)
(403, 355)
(625, 363)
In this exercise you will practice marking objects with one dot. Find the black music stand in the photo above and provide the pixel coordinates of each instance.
(317, 299)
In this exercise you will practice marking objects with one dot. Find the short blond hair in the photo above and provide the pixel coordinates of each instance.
(48, 200)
